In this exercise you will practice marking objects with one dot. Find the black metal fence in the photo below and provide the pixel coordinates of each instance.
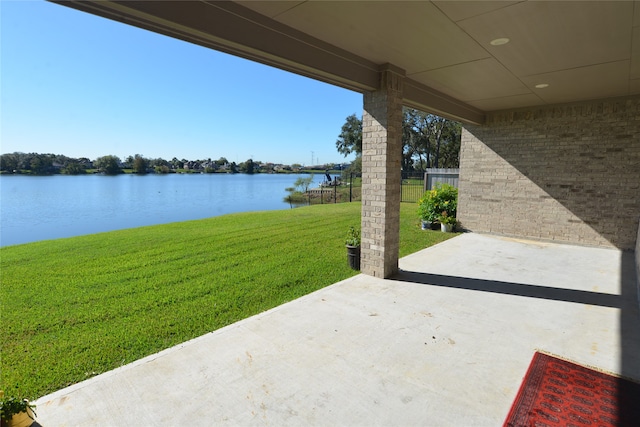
(412, 187)
(411, 190)
(348, 187)
(345, 188)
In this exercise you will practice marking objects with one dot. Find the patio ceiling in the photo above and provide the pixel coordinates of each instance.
(580, 50)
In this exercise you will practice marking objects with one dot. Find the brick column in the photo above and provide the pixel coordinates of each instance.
(381, 168)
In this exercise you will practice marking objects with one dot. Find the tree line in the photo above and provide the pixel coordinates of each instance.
(46, 164)
(428, 141)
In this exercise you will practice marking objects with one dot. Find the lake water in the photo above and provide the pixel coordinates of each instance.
(36, 208)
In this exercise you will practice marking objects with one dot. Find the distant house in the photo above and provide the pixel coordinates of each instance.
(281, 168)
(193, 166)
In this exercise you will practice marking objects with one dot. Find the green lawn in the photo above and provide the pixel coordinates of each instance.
(73, 308)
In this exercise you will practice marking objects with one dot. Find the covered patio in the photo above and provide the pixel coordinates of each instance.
(549, 97)
(444, 343)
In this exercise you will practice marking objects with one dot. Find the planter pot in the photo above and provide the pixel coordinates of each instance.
(446, 228)
(23, 419)
(426, 225)
(353, 257)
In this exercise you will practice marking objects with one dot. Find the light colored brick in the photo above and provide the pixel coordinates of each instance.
(564, 173)
(382, 143)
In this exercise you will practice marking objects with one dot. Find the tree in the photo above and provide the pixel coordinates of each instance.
(162, 169)
(140, 164)
(9, 162)
(427, 140)
(449, 154)
(297, 194)
(303, 184)
(158, 162)
(247, 167)
(128, 162)
(415, 138)
(109, 165)
(85, 162)
(24, 161)
(354, 167)
(176, 164)
(350, 138)
(74, 167)
(41, 164)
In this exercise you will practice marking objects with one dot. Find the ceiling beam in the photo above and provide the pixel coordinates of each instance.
(421, 97)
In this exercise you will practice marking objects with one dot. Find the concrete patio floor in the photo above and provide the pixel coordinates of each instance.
(445, 343)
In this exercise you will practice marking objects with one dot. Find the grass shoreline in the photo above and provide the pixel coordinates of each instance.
(76, 307)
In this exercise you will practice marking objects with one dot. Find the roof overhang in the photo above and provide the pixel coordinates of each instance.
(449, 52)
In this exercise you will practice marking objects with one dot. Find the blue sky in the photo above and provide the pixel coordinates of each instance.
(83, 86)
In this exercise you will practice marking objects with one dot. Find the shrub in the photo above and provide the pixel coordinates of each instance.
(426, 208)
(441, 202)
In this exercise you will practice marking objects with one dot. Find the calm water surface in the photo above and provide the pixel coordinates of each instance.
(36, 208)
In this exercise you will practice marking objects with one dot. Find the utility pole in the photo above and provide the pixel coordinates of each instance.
(312, 158)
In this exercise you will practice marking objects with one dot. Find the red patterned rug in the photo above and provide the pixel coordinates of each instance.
(560, 393)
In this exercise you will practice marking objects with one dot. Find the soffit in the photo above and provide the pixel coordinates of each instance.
(582, 50)
(274, 8)
(583, 83)
(413, 41)
(475, 80)
(459, 10)
(557, 35)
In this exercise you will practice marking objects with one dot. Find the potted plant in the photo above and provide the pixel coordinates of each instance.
(442, 198)
(16, 412)
(440, 204)
(427, 209)
(353, 248)
(447, 222)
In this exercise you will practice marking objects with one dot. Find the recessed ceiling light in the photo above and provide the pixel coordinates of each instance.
(500, 41)
(542, 85)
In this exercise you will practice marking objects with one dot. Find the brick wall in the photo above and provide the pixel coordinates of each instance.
(567, 173)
